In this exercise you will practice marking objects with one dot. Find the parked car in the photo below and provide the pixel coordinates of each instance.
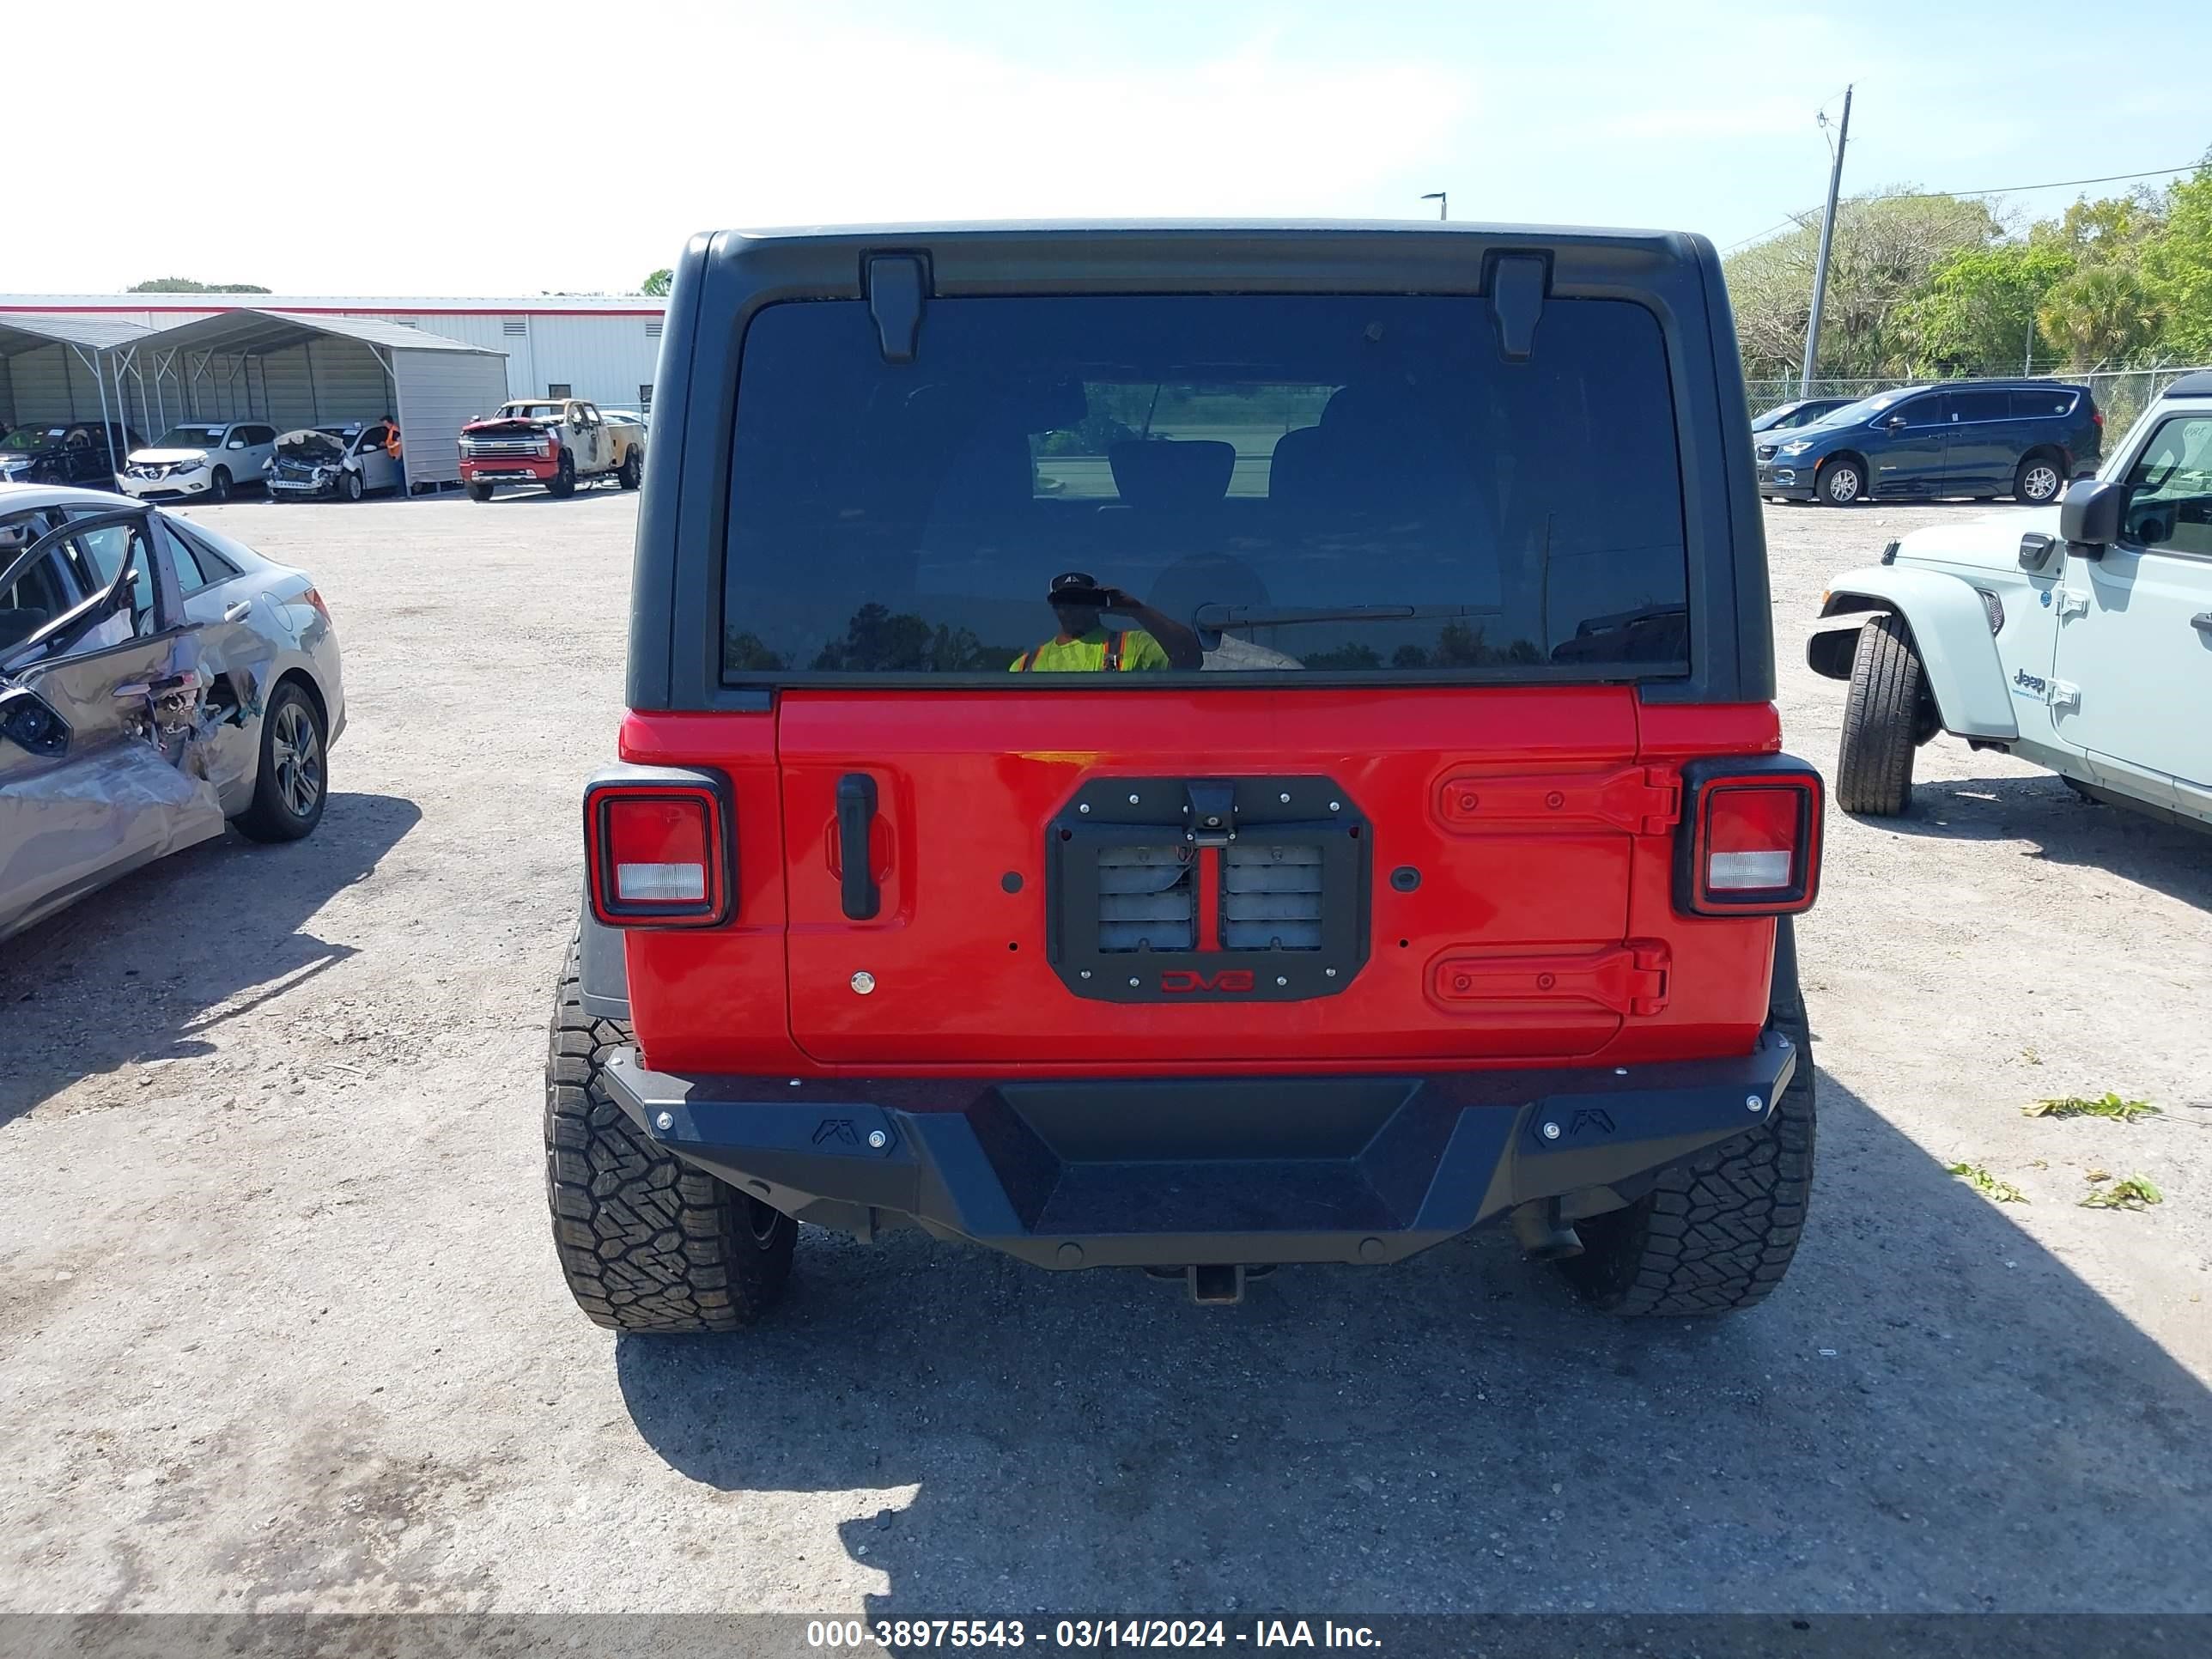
(1289, 886)
(157, 679)
(558, 442)
(63, 452)
(2079, 637)
(1803, 411)
(347, 459)
(1978, 438)
(206, 458)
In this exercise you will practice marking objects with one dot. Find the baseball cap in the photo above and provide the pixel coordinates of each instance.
(1075, 588)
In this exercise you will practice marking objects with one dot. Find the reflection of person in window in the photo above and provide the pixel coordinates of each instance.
(1085, 645)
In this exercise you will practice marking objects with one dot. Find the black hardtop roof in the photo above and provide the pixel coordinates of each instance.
(723, 278)
(966, 229)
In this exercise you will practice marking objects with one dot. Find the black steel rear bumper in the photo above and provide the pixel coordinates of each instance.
(1169, 1173)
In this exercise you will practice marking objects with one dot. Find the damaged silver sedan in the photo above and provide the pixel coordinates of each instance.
(157, 680)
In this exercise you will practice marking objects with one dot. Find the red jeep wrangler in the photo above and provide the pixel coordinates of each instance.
(1193, 748)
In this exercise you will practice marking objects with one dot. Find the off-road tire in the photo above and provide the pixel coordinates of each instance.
(1716, 1233)
(277, 814)
(563, 481)
(646, 1242)
(2038, 481)
(1830, 479)
(219, 485)
(628, 474)
(481, 492)
(1874, 765)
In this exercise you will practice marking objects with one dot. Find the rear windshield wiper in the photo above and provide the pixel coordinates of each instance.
(1213, 620)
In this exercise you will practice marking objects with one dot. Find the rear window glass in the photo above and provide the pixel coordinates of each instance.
(2027, 404)
(1337, 483)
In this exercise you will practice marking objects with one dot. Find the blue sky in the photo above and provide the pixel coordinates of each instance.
(439, 149)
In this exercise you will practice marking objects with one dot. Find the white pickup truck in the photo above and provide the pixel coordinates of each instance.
(558, 442)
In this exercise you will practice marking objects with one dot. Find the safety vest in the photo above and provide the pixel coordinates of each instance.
(1112, 664)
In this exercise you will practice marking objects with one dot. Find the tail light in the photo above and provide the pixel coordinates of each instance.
(2096, 416)
(658, 847)
(1750, 839)
(312, 596)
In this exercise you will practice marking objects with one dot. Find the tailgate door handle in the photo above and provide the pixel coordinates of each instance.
(856, 824)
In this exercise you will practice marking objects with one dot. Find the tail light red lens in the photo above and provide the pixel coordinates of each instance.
(1750, 838)
(656, 853)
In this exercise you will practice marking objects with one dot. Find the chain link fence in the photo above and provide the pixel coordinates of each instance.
(2121, 394)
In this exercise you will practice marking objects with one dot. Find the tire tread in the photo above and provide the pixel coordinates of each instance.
(645, 1242)
(1716, 1233)
(1874, 768)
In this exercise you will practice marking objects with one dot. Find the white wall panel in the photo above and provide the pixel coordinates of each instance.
(440, 391)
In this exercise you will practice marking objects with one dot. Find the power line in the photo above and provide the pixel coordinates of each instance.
(2000, 190)
(2054, 184)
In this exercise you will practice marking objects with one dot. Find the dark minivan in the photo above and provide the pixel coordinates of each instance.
(1985, 439)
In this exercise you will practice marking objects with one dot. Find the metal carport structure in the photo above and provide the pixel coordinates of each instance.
(44, 361)
(292, 369)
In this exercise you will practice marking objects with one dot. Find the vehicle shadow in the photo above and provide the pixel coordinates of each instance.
(1934, 1413)
(2173, 859)
(195, 930)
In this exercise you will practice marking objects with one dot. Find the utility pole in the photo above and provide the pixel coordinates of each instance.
(1442, 200)
(1827, 240)
(2028, 351)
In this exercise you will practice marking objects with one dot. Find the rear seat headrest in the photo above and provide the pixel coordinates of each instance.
(1171, 472)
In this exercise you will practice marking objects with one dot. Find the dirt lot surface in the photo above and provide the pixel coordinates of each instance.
(281, 1327)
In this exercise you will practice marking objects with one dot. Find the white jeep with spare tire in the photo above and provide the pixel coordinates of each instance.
(2078, 636)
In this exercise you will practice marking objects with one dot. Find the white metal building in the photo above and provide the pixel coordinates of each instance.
(599, 347)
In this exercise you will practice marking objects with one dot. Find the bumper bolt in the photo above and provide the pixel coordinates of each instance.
(878, 1140)
(1753, 1104)
(1084, 807)
(1133, 799)
(863, 982)
(1133, 981)
(1284, 797)
(1336, 806)
(664, 1122)
(1331, 972)
(1281, 980)
(1550, 1132)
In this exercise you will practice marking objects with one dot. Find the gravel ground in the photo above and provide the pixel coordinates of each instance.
(281, 1328)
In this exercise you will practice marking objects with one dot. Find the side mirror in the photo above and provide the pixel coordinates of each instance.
(235, 443)
(2089, 517)
(1895, 423)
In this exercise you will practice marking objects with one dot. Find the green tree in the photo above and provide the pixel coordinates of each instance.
(1977, 315)
(2177, 271)
(2099, 315)
(1887, 250)
(187, 285)
(659, 283)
